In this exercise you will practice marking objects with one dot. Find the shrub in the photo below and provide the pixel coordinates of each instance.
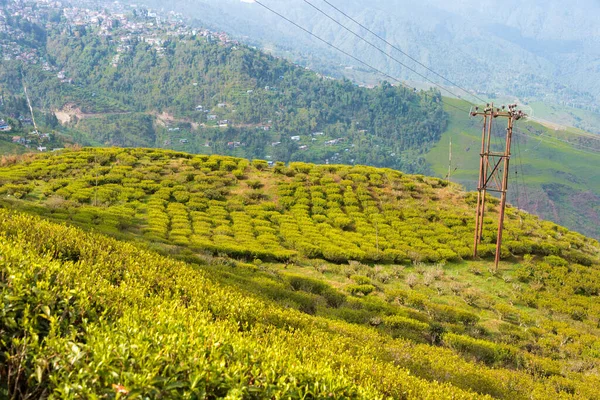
(254, 184)
(484, 351)
(406, 327)
(361, 280)
(412, 280)
(360, 289)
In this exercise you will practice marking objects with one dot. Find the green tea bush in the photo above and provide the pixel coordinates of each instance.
(362, 290)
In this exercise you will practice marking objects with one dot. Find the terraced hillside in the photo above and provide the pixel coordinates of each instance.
(298, 280)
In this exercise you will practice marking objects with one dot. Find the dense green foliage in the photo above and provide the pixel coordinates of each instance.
(84, 316)
(130, 92)
(87, 316)
(374, 255)
(263, 100)
(244, 209)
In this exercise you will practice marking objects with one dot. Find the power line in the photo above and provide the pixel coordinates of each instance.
(380, 50)
(404, 53)
(584, 134)
(346, 53)
(520, 166)
(540, 137)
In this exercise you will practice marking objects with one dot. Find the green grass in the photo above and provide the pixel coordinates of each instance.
(557, 181)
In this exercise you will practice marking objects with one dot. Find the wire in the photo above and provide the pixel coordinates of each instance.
(346, 53)
(571, 143)
(380, 50)
(594, 152)
(400, 50)
(520, 166)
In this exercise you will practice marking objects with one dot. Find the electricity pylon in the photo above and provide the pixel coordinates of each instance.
(490, 165)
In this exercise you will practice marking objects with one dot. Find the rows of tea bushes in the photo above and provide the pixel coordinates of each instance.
(86, 316)
(231, 206)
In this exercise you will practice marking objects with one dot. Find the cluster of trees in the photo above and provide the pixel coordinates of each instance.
(389, 126)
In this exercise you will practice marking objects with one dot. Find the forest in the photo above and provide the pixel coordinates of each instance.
(215, 94)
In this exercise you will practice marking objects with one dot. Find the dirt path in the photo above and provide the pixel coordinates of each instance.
(70, 110)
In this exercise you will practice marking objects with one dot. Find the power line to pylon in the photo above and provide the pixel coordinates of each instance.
(404, 53)
(490, 165)
(346, 53)
(383, 51)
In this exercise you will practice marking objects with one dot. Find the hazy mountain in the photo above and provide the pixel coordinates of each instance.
(546, 50)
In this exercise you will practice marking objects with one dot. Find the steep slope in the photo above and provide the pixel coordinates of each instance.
(86, 316)
(381, 260)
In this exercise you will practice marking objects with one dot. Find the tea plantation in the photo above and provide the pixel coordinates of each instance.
(231, 278)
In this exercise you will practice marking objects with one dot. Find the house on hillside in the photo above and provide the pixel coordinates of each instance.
(4, 127)
(42, 149)
(18, 140)
(295, 138)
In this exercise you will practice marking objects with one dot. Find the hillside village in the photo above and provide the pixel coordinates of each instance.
(124, 26)
(115, 21)
(20, 38)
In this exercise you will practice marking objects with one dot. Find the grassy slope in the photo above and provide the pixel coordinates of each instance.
(86, 316)
(8, 148)
(560, 182)
(531, 328)
(566, 116)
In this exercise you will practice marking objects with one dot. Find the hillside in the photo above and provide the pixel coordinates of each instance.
(143, 84)
(367, 270)
(537, 51)
(552, 173)
(199, 92)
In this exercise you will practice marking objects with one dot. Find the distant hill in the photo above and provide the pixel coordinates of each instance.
(538, 50)
(338, 281)
(201, 95)
(551, 171)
